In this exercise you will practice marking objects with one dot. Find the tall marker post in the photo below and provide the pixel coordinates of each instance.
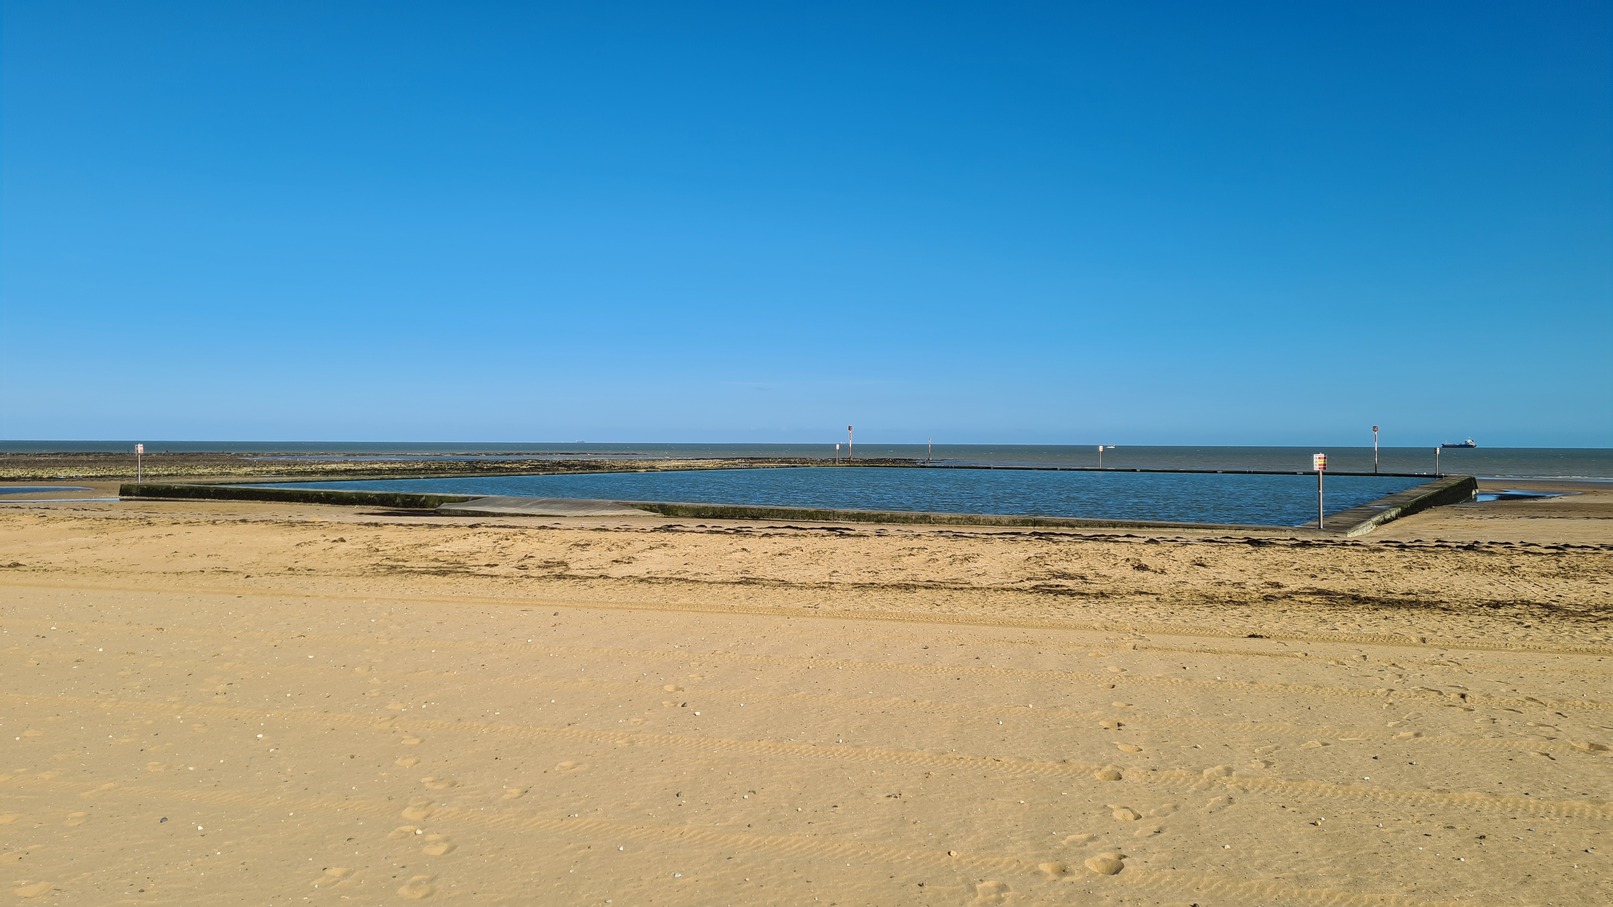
(139, 451)
(849, 455)
(1319, 463)
(1436, 463)
(1374, 450)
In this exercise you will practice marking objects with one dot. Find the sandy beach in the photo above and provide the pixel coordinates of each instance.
(225, 702)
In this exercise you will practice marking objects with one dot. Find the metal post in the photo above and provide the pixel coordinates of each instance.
(1374, 450)
(139, 453)
(1319, 463)
(929, 450)
(849, 455)
(1436, 463)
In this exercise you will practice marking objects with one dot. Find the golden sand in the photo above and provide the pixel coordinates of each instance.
(215, 702)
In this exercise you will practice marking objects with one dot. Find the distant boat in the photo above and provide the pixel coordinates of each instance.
(1468, 443)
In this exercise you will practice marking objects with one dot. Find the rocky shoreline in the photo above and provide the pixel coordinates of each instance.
(204, 466)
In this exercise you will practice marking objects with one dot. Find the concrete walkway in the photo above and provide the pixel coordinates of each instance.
(500, 505)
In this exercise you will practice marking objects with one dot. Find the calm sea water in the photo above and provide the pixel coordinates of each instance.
(1485, 462)
(1262, 500)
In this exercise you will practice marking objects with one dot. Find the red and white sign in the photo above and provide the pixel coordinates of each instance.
(1319, 462)
(140, 449)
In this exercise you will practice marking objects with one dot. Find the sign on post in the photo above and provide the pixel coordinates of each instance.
(139, 452)
(1319, 463)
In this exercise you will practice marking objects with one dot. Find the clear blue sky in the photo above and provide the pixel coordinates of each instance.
(1052, 222)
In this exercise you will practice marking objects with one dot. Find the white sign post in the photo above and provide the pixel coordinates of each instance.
(1436, 462)
(139, 451)
(1319, 463)
(1374, 450)
(849, 455)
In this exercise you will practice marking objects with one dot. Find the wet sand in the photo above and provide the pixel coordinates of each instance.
(221, 702)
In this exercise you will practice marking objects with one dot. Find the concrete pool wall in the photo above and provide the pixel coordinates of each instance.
(1352, 522)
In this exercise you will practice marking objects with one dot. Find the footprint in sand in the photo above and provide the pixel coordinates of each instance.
(514, 793)
(335, 876)
(155, 767)
(1076, 840)
(1148, 831)
(74, 820)
(438, 845)
(403, 831)
(412, 740)
(407, 761)
(673, 688)
(1217, 804)
(432, 782)
(570, 766)
(418, 810)
(1128, 748)
(1107, 864)
(32, 891)
(31, 734)
(1053, 869)
(989, 893)
(418, 888)
(1125, 813)
(1108, 773)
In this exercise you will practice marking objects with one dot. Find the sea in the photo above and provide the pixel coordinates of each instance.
(1573, 463)
(1265, 486)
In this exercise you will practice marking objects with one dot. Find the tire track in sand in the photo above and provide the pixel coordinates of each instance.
(928, 617)
(1286, 690)
(1006, 765)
